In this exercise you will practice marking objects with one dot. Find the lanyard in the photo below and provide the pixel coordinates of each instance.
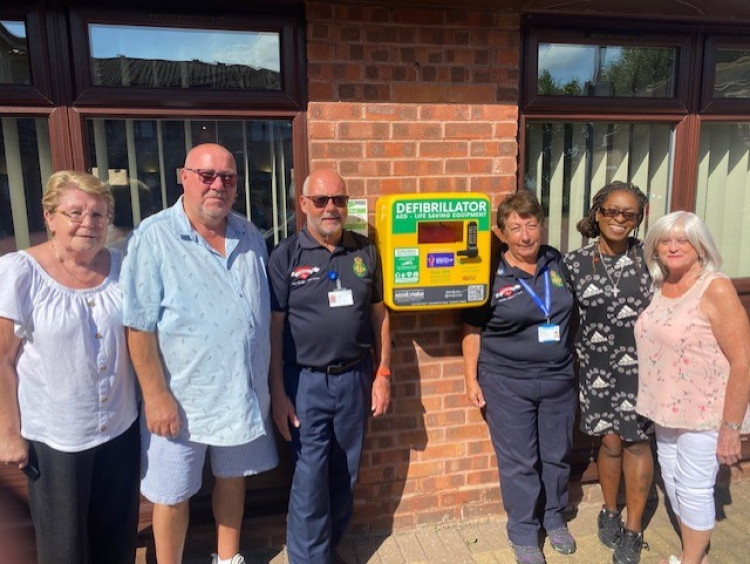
(545, 307)
(333, 276)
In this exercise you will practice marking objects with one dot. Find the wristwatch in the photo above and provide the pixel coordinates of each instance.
(732, 426)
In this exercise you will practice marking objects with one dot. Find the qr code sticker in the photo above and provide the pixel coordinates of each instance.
(475, 293)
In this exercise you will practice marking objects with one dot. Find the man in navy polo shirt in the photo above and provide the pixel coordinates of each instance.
(327, 318)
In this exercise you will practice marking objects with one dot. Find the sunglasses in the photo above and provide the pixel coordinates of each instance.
(613, 213)
(322, 201)
(208, 176)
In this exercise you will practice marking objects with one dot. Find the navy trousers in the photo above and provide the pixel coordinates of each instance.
(531, 426)
(326, 449)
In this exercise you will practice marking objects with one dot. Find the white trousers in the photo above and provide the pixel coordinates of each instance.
(689, 467)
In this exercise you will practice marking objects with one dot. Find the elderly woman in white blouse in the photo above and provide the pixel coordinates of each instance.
(67, 390)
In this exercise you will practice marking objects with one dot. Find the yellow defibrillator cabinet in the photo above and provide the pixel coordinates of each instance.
(435, 249)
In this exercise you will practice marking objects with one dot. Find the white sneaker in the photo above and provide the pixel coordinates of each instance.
(236, 559)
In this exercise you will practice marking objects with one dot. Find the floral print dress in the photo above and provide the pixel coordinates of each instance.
(684, 372)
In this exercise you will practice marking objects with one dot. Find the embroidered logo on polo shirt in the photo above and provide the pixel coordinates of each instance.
(556, 279)
(359, 267)
(507, 292)
(304, 272)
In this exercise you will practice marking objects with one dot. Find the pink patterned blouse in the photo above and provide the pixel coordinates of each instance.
(682, 371)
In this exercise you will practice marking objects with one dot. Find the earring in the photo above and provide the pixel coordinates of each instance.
(702, 259)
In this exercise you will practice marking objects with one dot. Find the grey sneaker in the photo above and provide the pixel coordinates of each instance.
(562, 541)
(628, 550)
(528, 554)
(610, 527)
(236, 559)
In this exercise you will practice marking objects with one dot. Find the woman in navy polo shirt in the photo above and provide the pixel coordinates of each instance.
(518, 366)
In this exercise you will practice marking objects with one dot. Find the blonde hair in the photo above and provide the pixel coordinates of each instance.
(65, 179)
(680, 223)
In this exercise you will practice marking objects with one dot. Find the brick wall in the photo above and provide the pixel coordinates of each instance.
(418, 100)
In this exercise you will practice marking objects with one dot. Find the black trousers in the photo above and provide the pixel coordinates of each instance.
(85, 504)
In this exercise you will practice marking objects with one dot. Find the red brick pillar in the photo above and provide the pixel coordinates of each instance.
(418, 100)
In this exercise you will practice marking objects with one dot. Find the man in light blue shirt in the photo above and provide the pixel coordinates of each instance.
(196, 302)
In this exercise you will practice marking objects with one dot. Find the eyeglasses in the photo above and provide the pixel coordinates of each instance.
(613, 213)
(208, 176)
(76, 217)
(322, 201)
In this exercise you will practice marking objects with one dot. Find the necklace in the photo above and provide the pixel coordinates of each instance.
(615, 284)
(94, 267)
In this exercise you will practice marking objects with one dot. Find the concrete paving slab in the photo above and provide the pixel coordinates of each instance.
(429, 540)
(486, 542)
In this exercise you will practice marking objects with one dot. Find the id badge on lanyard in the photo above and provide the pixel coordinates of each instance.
(547, 332)
(340, 297)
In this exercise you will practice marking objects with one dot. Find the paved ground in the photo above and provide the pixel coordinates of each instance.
(486, 542)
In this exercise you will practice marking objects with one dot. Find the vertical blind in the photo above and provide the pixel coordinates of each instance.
(568, 162)
(723, 191)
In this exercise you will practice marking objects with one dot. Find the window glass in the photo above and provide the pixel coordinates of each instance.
(25, 165)
(732, 73)
(14, 53)
(606, 70)
(723, 192)
(162, 57)
(142, 159)
(566, 163)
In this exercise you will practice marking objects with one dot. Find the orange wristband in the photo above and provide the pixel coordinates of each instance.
(383, 372)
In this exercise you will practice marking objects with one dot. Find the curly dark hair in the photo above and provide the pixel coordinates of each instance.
(589, 227)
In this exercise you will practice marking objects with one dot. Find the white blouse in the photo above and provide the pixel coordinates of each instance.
(76, 387)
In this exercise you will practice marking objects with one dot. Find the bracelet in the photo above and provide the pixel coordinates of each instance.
(383, 372)
(732, 426)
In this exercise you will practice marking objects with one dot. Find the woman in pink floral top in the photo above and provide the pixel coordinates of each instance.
(694, 362)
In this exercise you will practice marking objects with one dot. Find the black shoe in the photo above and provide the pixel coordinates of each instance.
(610, 527)
(628, 550)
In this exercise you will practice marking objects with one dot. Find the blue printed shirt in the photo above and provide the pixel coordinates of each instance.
(211, 315)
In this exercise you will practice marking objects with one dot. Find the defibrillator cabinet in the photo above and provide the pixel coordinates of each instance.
(435, 249)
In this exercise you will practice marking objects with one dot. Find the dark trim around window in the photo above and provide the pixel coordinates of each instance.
(291, 97)
(709, 103)
(39, 92)
(594, 32)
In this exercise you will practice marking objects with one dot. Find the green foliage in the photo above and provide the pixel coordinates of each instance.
(637, 72)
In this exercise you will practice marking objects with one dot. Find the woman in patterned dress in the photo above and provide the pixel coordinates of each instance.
(611, 284)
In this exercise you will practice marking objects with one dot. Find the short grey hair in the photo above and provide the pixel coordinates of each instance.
(680, 223)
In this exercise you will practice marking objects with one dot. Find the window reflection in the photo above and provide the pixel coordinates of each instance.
(14, 53)
(568, 162)
(161, 57)
(732, 73)
(25, 165)
(143, 159)
(606, 70)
